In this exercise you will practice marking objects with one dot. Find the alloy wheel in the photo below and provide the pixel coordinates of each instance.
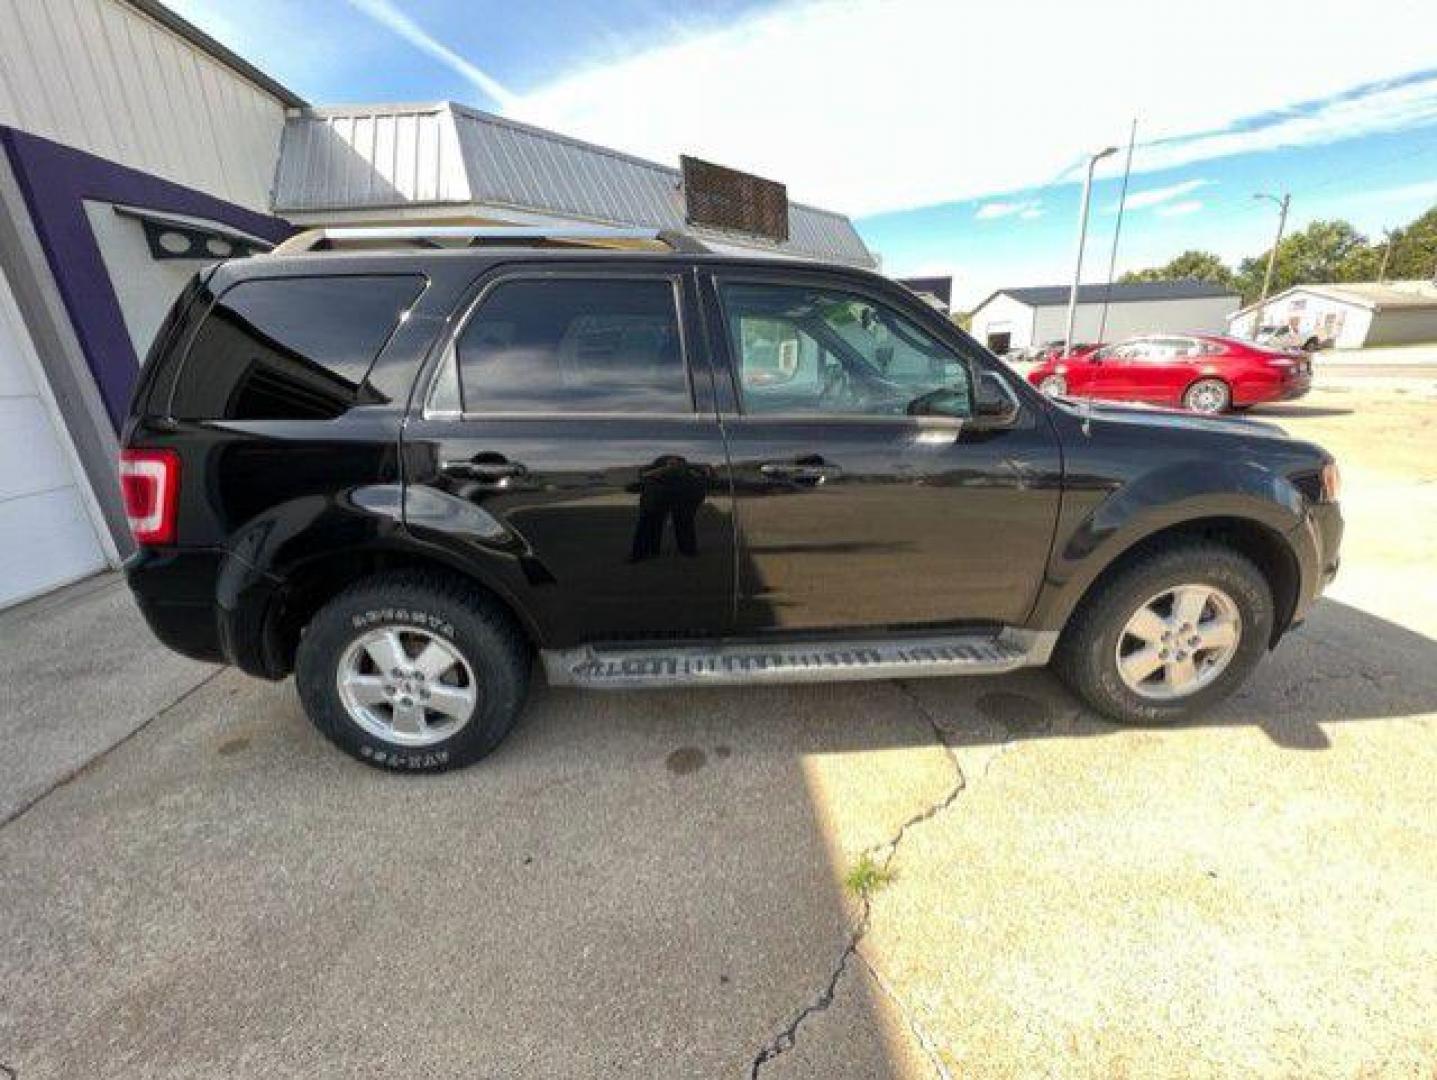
(407, 686)
(1178, 642)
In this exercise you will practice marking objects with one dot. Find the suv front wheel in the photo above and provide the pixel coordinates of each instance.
(1169, 635)
(413, 672)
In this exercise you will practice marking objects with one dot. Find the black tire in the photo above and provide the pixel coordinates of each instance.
(483, 634)
(1208, 389)
(1086, 657)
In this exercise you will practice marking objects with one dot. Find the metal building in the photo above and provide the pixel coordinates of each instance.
(1351, 315)
(136, 149)
(1027, 317)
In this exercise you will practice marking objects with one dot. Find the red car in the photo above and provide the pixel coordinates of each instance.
(1204, 373)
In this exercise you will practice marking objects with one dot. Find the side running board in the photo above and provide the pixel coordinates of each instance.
(629, 667)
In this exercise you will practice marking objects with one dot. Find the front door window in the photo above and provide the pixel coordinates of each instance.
(804, 351)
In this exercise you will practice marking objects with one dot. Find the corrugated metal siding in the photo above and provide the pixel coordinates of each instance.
(104, 78)
(354, 159)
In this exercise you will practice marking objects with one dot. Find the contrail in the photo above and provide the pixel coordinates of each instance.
(386, 14)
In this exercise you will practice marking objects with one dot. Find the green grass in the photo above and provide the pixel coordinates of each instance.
(866, 877)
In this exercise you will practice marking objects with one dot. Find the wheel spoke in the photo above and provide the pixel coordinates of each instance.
(408, 719)
(456, 702)
(1218, 633)
(367, 689)
(1138, 665)
(1147, 625)
(1188, 604)
(1180, 673)
(434, 661)
(387, 651)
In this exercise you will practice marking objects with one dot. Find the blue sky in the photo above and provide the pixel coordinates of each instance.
(950, 133)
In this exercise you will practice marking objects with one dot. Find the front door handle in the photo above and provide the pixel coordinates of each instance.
(482, 467)
(800, 472)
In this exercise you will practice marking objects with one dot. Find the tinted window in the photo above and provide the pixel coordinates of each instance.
(290, 348)
(804, 350)
(568, 345)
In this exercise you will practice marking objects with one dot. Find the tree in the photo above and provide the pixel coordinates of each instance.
(1325, 251)
(1317, 253)
(1189, 266)
(1414, 250)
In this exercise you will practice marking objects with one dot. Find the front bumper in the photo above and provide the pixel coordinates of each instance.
(1317, 542)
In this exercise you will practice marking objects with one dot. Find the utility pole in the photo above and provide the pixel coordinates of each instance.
(1282, 205)
(1093, 159)
(1391, 235)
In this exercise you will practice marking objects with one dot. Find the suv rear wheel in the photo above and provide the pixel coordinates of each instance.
(413, 672)
(1169, 635)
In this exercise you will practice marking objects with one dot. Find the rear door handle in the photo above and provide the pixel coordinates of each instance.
(469, 469)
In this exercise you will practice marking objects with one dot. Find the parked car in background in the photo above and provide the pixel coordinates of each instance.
(1287, 337)
(1204, 373)
(1037, 354)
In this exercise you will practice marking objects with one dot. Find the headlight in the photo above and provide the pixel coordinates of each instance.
(1331, 482)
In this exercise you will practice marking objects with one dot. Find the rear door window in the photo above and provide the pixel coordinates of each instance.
(290, 348)
(575, 345)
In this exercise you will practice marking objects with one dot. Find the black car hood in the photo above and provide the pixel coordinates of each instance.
(1157, 417)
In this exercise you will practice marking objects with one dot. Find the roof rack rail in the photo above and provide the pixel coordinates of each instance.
(342, 237)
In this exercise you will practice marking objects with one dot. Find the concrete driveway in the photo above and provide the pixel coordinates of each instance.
(652, 884)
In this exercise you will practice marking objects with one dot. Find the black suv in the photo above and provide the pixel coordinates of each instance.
(402, 470)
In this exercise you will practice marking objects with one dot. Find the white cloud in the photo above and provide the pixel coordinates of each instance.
(867, 106)
(1028, 209)
(387, 15)
(1181, 209)
(1142, 200)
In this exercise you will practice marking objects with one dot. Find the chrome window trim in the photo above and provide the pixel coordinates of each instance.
(449, 354)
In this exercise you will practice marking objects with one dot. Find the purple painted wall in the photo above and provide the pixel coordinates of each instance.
(55, 181)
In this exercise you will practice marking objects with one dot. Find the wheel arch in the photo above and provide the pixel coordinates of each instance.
(309, 585)
(1266, 546)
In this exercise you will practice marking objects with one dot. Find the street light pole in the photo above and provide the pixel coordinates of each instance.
(1282, 205)
(1093, 159)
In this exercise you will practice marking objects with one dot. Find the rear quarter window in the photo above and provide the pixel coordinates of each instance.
(290, 348)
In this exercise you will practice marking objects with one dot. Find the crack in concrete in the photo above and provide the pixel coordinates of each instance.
(85, 766)
(786, 1039)
(924, 1040)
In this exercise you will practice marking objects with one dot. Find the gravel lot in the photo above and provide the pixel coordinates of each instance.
(651, 885)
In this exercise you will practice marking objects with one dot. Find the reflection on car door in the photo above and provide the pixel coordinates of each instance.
(852, 512)
(567, 444)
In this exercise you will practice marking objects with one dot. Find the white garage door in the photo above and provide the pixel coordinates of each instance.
(47, 534)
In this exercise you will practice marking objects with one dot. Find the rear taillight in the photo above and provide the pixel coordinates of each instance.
(150, 486)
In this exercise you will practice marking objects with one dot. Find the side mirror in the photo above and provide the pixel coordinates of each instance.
(994, 405)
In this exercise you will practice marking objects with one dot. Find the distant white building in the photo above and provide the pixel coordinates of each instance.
(1351, 315)
(1022, 318)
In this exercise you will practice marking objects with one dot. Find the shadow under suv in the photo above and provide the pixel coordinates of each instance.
(403, 471)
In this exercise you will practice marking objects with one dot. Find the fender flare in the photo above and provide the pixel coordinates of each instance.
(1185, 493)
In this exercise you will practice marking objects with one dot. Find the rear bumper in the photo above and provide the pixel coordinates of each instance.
(206, 604)
(1295, 389)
